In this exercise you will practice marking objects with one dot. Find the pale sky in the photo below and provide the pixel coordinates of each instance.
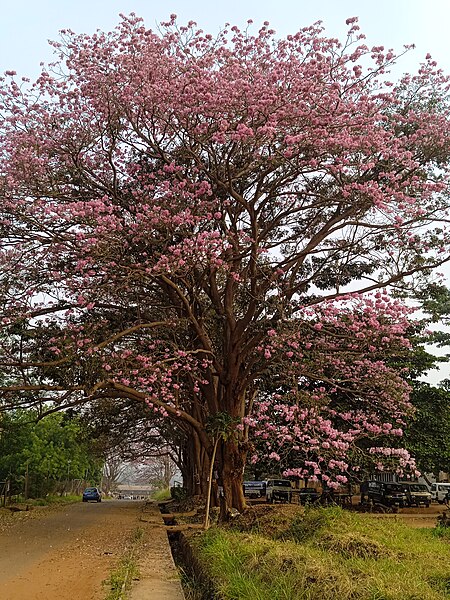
(26, 25)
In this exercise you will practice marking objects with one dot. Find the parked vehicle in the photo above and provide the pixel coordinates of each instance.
(278, 489)
(308, 495)
(385, 493)
(439, 492)
(254, 489)
(92, 494)
(417, 493)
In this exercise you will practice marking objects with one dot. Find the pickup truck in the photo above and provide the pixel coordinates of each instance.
(254, 489)
(278, 489)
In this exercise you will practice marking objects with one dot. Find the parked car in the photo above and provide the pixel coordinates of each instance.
(417, 493)
(278, 489)
(92, 494)
(254, 489)
(308, 495)
(439, 492)
(386, 493)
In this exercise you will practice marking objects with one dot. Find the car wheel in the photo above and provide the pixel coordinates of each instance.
(84, 500)
(99, 500)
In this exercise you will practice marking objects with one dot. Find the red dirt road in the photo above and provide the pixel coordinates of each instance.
(65, 553)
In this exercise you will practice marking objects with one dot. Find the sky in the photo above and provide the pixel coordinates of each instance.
(27, 25)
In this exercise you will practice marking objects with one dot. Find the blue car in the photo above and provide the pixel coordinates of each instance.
(92, 494)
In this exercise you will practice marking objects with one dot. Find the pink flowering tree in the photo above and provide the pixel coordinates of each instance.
(336, 421)
(183, 217)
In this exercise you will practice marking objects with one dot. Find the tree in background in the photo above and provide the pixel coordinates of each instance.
(158, 471)
(41, 457)
(183, 216)
(428, 436)
(113, 471)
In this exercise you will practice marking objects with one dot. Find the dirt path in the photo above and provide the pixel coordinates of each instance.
(65, 553)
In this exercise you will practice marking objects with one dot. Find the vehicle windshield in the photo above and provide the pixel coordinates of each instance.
(418, 487)
(393, 487)
(90, 490)
(281, 483)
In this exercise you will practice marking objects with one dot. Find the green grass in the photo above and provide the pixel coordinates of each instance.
(120, 579)
(329, 554)
(161, 495)
(56, 499)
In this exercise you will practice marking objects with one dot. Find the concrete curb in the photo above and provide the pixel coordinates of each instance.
(159, 578)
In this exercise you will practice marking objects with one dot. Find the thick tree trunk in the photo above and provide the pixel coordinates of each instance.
(233, 457)
(195, 467)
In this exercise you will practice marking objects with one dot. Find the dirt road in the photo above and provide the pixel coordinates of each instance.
(65, 553)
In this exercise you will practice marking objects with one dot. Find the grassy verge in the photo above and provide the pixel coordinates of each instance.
(161, 495)
(52, 500)
(47, 501)
(119, 582)
(329, 554)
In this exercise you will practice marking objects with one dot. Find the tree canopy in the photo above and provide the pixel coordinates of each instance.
(185, 216)
(46, 453)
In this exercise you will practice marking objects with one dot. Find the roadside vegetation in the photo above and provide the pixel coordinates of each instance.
(161, 495)
(44, 457)
(119, 582)
(325, 554)
(50, 500)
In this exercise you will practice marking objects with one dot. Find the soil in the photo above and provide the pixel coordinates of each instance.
(63, 552)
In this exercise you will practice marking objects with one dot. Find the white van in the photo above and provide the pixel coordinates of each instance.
(439, 491)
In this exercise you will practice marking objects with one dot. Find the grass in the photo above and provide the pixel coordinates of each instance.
(192, 588)
(120, 579)
(161, 495)
(329, 554)
(48, 500)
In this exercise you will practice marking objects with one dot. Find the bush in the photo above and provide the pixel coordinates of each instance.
(178, 493)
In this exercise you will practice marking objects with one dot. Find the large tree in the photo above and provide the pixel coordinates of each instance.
(183, 216)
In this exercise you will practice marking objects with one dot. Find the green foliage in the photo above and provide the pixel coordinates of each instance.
(161, 495)
(221, 425)
(48, 500)
(53, 449)
(428, 435)
(435, 301)
(336, 555)
(178, 493)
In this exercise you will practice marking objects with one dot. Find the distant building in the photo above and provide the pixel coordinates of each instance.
(138, 492)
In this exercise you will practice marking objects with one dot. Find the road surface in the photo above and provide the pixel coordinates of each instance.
(65, 553)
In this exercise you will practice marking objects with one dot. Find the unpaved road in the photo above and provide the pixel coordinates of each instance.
(65, 553)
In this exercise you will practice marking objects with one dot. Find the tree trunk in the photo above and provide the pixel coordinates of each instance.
(233, 457)
(195, 467)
